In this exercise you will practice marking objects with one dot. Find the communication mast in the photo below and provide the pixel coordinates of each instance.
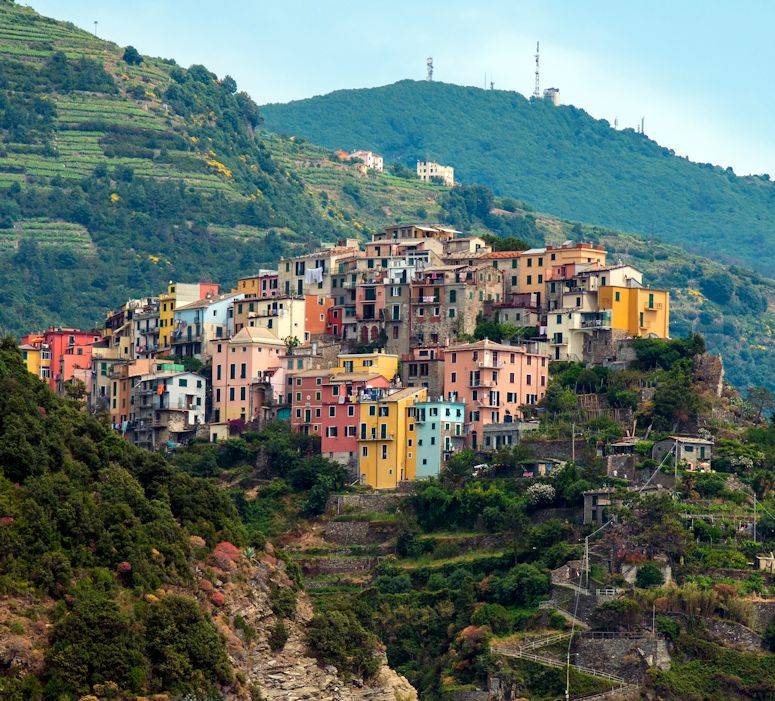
(537, 91)
(429, 66)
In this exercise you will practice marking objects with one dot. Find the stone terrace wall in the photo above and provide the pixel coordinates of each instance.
(629, 658)
(342, 503)
(358, 532)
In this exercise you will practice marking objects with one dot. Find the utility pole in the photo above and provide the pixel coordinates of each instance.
(573, 443)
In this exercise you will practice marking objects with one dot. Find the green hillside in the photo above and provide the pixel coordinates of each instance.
(736, 317)
(560, 159)
(119, 173)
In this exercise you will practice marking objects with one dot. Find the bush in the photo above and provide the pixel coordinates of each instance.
(283, 602)
(668, 627)
(399, 584)
(649, 575)
(495, 616)
(339, 639)
(278, 636)
(132, 56)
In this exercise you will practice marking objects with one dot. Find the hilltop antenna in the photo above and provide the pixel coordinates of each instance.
(95, 27)
(492, 85)
(429, 66)
(616, 122)
(537, 91)
(642, 125)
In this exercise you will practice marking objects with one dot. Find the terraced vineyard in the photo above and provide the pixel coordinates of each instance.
(366, 200)
(84, 119)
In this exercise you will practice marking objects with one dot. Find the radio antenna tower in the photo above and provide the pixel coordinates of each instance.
(537, 91)
(429, 66)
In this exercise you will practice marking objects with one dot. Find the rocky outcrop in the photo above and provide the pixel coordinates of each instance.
(290, 674)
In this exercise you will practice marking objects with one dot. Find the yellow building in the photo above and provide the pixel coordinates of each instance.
(387, 437)
(535, 265)
(637, 310)
(383, 363)
(37, 358)
(177, 295)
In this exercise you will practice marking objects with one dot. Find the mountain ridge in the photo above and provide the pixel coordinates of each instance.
(560, 159)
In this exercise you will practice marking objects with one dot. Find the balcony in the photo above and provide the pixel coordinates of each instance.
(483, 383)
(657, 306)
(493, 364)
(385, 437)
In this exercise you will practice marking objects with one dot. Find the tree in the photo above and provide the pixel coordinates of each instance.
(132, 56)
(761, 399)
(649, 575)
(229, 84)
(718, 287)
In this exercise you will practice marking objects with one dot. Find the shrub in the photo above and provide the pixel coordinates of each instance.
(668, 627)
(495, 616)
(398, 584)
(283, 602)
(338, 638)
(278, 636)
(649, 575)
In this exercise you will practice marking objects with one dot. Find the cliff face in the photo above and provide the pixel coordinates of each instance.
(290, 674)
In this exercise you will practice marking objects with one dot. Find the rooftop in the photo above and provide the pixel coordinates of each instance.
(503, 254)
(208, 301)
(486, 344)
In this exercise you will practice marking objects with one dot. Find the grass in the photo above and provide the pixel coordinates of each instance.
(430, 562)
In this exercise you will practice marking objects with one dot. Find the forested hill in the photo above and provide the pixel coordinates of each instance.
(558, 158)
(119, 172)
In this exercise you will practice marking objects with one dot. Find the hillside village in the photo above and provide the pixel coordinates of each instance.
(337, 339)
(482, 455)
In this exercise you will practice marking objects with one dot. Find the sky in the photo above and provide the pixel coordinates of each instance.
(695, 71)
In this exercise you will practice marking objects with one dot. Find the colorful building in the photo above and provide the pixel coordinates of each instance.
(169, 406)
(440, 432)
(340, 413)
(387, 436)
(69, 354)
(494, 381)
(383, 363)
(639, 311)
(179, 294)
(245, 369)
(199, 324)
(261, 285)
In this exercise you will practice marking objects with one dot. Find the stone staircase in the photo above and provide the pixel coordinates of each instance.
(526, 651)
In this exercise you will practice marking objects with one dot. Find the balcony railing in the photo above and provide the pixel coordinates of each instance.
(494, 364)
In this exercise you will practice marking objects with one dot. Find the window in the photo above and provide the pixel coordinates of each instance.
(217, 395)
(232, 371)
(384, 452)
(651, 300)
(243, 370)
(452, 296)
(242, 393)
(317, 396)
(641, 319)
(617, 296)
(298, 396)
(365, 452)
(529, 279)
(372, 409)
(453, 376)
(528, 380)
(529, 262)
(511, 378)
(182, 382)
(454, 357)
(332, 411)
(231, 394)
(540, 279)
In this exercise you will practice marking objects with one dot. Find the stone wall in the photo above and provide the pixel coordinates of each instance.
(731, 633)
(477, 695)
(572, 514)
(630, 571)
(319, 566)
(623, 467)
(764, 612)
(358, 532)
(629, 658)
(344, 503)
(552, 448)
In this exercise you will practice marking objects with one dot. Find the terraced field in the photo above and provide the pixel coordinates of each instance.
(49, 234)
(368, 200)
(83, 119)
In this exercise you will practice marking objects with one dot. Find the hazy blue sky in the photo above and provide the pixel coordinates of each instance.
(697, 71)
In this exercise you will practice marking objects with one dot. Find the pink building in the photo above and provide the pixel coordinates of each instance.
(494, 381)
(306, 388)
(341, 412)
(70, 351)
(245, 368)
